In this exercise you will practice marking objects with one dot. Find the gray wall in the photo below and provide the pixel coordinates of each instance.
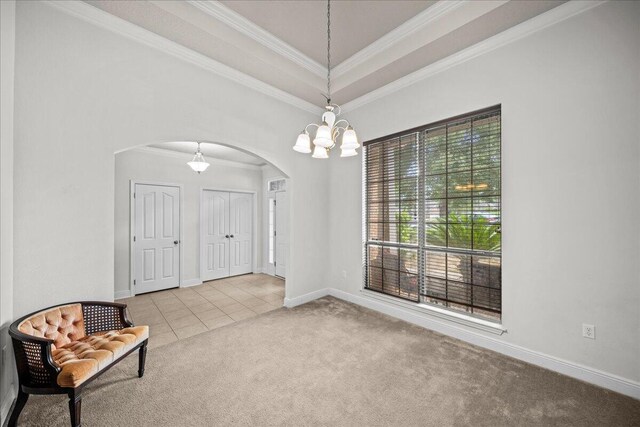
(571, 205)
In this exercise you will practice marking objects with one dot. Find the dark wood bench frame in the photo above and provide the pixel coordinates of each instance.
(38, 373)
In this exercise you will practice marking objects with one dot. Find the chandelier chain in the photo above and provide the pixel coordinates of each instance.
(328, 51)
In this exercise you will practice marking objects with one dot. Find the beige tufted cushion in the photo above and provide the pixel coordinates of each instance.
(82, 359)
(62, 324)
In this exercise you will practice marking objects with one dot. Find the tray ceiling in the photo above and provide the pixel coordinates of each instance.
(283, 43)
(303, 24)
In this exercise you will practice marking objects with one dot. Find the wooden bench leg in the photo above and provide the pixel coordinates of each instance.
(142, 356)
(75, 407)
(17, 409)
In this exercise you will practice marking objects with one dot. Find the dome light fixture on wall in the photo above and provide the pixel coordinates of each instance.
(329, 131)
(198, 164)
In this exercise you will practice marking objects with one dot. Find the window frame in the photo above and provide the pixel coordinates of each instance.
(421, 303)
(280, 184)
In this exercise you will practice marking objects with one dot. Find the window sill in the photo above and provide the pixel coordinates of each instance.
(472, 322)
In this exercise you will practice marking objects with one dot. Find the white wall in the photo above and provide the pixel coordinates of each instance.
(83, 93)
(7, 51)
(570, 98)
(170, 167)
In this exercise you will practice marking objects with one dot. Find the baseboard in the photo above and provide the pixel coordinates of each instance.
(303, 299)
(7, 404)
(190, 282)
(122, 294)
(185, 284)
(571, 369)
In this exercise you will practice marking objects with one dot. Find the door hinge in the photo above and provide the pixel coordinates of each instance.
(134, 195)
(134, 238)
(275, 232)
(134, 281)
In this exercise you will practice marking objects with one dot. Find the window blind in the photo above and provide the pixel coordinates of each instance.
(433, 216)
(392, 216)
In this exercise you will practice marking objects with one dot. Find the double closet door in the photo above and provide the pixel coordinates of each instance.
(226, 234)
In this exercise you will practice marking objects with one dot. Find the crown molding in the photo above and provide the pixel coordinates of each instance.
(538, 23)
(422, 20)
(124, 28)
(257, 33)
(133, 32)
(187, 157)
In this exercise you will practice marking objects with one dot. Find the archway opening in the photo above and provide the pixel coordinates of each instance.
(213, 245)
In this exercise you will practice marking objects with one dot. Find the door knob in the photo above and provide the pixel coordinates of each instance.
(232, 236)
(226, 236)
(175, 242)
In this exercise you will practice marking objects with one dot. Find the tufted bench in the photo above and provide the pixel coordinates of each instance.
(63, 348)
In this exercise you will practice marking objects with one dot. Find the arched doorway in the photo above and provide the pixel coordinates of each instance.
(185, 286)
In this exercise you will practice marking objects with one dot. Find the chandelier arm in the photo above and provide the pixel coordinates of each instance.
(335, 133)
(310, 124)
(341, 120)
(338, 107)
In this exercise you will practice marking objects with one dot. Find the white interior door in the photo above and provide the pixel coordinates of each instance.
(156, 238)
(281, 235)
(240, 233)
(215, 239)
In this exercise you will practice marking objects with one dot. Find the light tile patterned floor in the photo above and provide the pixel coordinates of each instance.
(183, 312)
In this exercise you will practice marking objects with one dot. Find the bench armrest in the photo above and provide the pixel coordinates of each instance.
(35, 364)
(100, 316)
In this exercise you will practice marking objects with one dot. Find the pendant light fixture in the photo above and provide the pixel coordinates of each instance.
(198, 164)
(329, 130)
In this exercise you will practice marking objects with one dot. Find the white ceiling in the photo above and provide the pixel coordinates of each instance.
(211, 152)
(283, 43)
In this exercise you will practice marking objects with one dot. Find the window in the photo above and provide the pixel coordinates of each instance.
(276, 185)
(432, 214)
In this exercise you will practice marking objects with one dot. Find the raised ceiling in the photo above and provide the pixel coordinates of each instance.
(303, 24)
(283, 43)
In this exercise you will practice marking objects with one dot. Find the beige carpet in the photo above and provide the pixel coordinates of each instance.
(332, 363)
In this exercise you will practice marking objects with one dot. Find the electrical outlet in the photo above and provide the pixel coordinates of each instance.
(589, 331)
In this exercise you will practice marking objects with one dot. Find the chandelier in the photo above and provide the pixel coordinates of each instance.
(198, 164)
(329, 131)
